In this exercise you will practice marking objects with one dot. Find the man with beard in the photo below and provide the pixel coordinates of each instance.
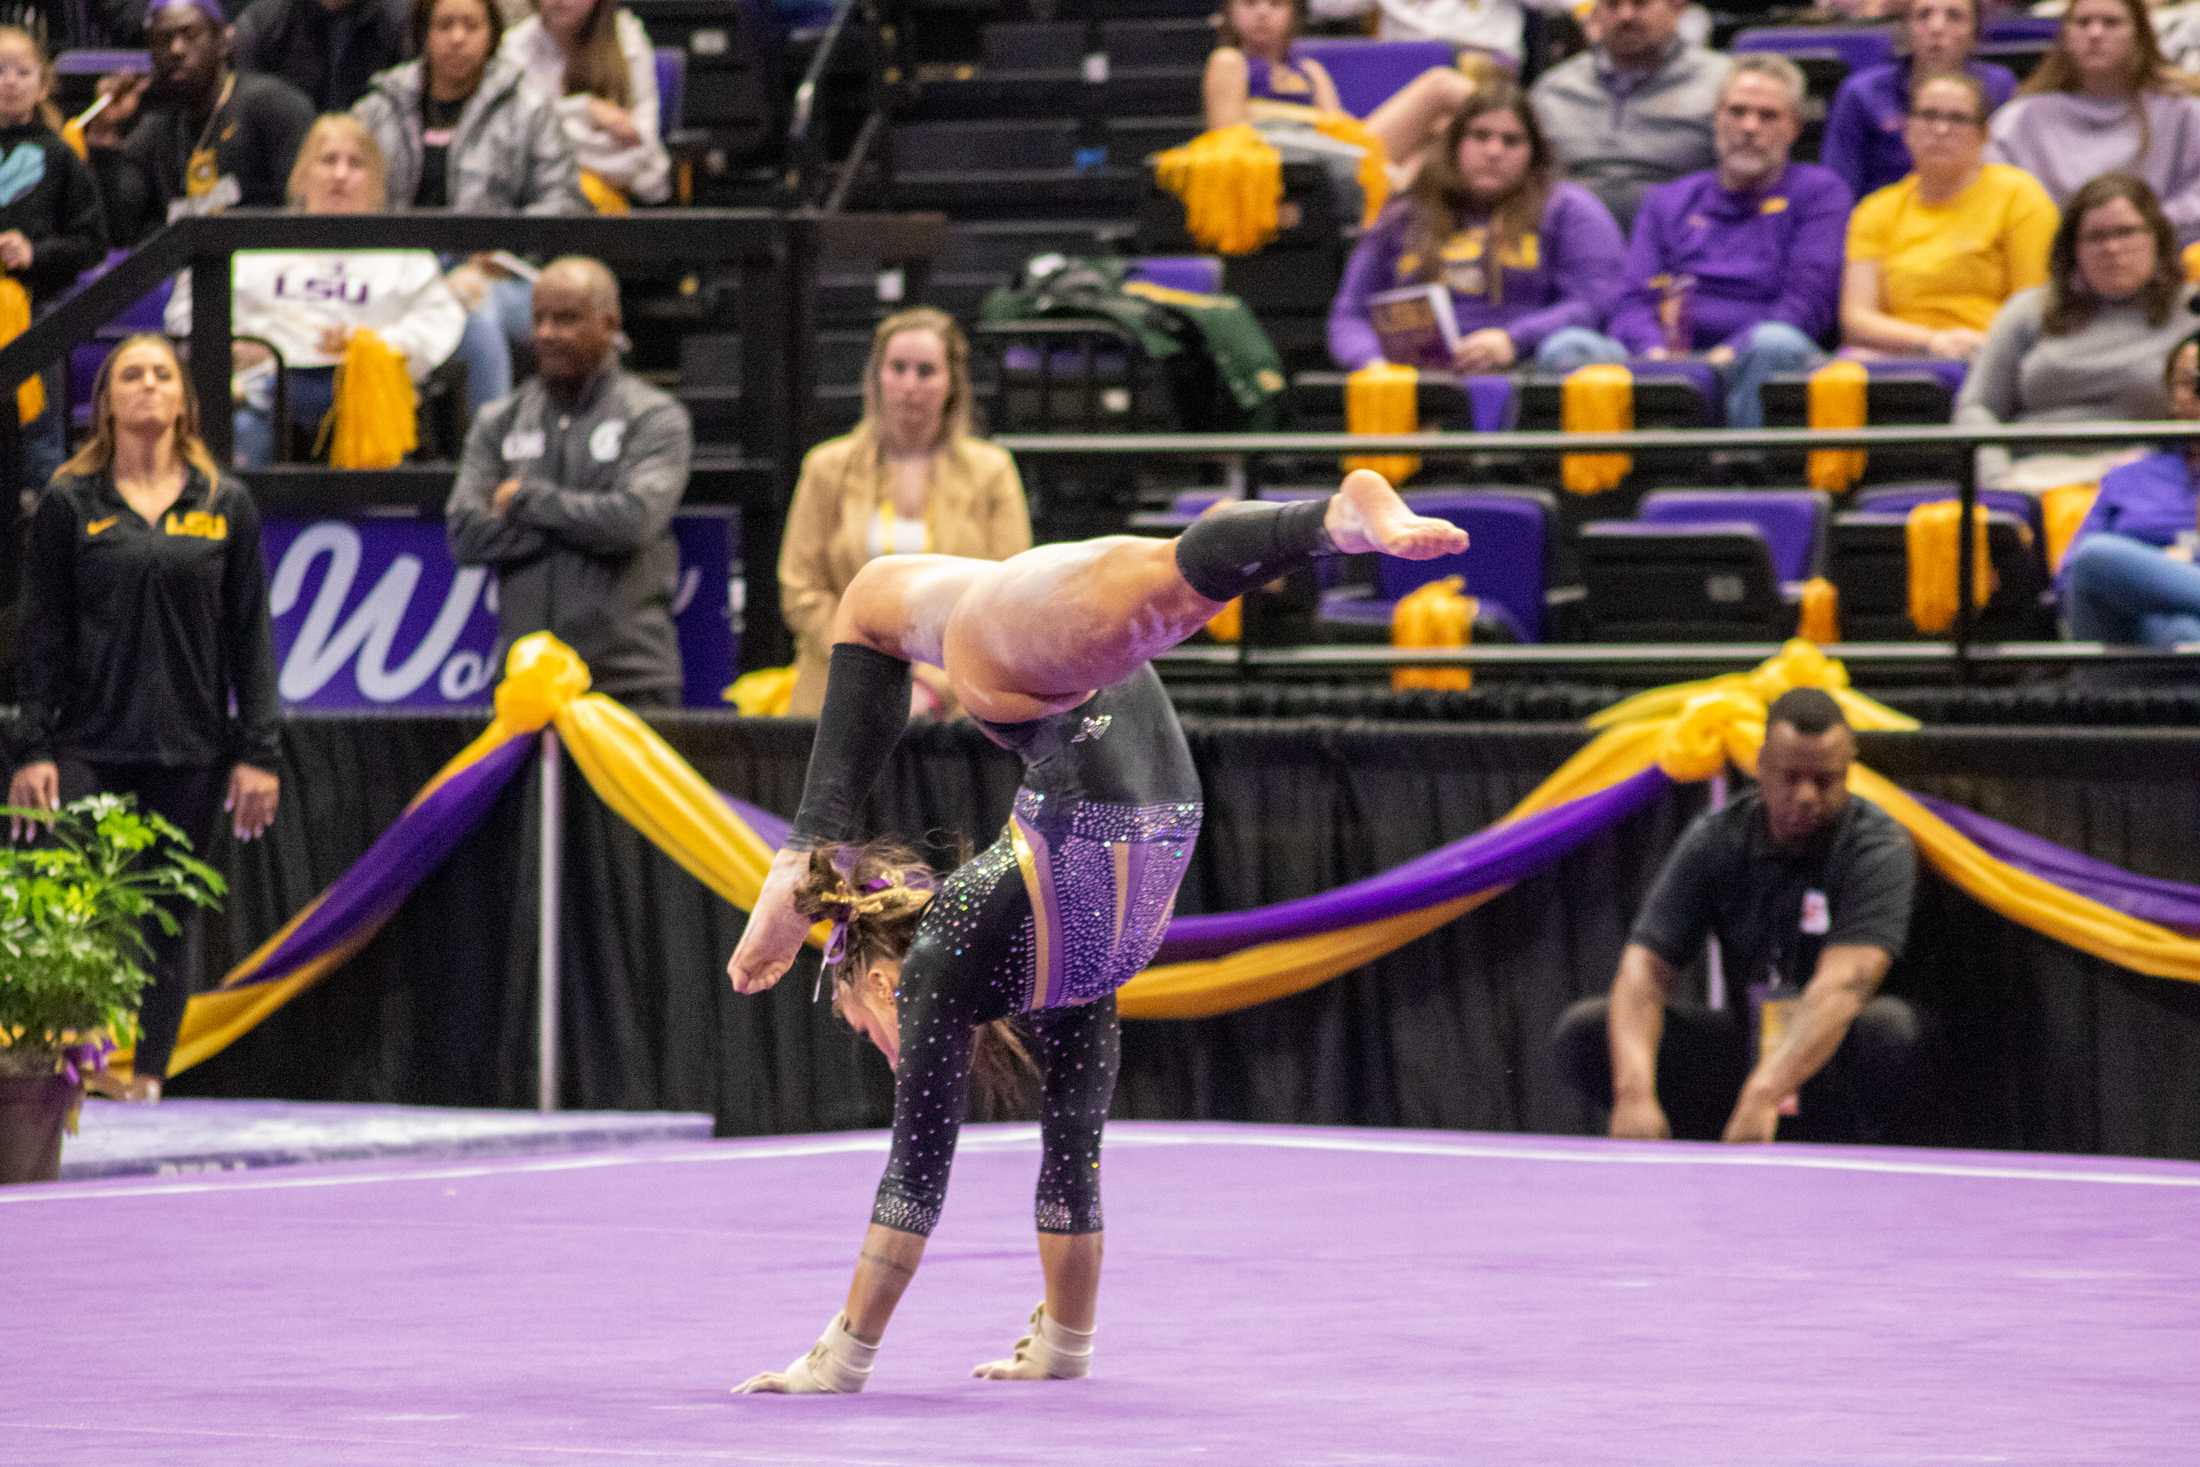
(1634, 111)
(1808, 890)
(201, 136)
(1739, 266)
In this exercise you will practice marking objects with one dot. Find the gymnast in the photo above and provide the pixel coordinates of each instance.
(1049, 650)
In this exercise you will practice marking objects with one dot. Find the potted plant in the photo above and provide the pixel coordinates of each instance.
(73, 909)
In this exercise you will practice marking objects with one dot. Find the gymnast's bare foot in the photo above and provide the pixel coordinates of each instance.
(1367, 514)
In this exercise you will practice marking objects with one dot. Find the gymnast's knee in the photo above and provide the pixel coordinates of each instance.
(907, 1209)
(1068, 1210)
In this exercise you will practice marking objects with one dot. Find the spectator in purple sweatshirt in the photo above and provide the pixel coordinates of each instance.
(1532, 264)
(1739, 266)
(1866, 141)
(2105, 100)
(2129, 575)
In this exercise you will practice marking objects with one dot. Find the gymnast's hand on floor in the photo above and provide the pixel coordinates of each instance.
(776, 930)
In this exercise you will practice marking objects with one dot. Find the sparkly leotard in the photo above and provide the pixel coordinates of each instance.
(1066, 907)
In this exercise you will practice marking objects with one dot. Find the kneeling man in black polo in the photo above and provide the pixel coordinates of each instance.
(1808, 890)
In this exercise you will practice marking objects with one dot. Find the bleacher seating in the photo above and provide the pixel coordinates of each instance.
(1507, 564)
(1793, 521)
(1869, 567)
(1032, 125)
(1895, 393)
(1681, 583)
(1369, 73)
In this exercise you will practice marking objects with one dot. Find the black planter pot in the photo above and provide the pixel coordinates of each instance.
(33, 1111)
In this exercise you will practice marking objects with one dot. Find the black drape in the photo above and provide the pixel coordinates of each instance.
(423, 1014)
(2040, 1047)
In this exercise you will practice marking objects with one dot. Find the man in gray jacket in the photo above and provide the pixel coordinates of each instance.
(1634, 111)
(567, 489)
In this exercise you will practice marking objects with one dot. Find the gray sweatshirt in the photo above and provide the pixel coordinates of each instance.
(1620, 134)
(2111, 367)
(508, 153)
(2066, 140)
(585, 549)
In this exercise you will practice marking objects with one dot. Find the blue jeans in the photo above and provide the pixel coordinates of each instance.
(1772, 347)
(1576, 346)
(487, 355)
(2117, 589)
(252, 425)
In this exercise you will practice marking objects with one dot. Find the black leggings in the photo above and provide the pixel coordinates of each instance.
(190, 797)
(970, 965)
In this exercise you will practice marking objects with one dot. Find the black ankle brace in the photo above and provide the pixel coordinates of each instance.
(866, 708)
(1230, 551)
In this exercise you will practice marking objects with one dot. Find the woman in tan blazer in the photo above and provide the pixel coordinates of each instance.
(910, 478)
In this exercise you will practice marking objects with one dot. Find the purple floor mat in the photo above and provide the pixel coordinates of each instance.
(1273, 1296)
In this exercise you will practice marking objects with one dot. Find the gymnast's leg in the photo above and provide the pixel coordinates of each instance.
(1109, 605)
(1079, 1052)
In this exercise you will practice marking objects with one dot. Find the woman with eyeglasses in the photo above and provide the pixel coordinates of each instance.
(2090, 343)
(1932, 258)
(1867, 137)
(2105, 100)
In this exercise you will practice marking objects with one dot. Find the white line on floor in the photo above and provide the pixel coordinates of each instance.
(1025, 1138)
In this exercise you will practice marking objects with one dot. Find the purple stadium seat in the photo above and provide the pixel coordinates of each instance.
(1199, 274)
(147, 313)
(2043, 28)
(1793, 521)
(1506, 562)
(1702, 377)
(1858, 46)
(85, 360)
(1495, 406)
(1369, 73)
(671, 88)
(1949, 374)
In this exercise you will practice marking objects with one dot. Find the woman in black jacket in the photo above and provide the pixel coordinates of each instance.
(144, 614)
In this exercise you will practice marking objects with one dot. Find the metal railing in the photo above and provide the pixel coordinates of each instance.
(806, 161)
(1245, 453)
(773, 256)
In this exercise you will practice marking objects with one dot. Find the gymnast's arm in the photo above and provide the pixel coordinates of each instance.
(866, 708)
(1848, 975)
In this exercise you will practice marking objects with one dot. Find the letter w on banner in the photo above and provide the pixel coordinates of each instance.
(373, 613)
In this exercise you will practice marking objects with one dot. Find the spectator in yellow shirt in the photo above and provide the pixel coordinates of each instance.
(1932, 258)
